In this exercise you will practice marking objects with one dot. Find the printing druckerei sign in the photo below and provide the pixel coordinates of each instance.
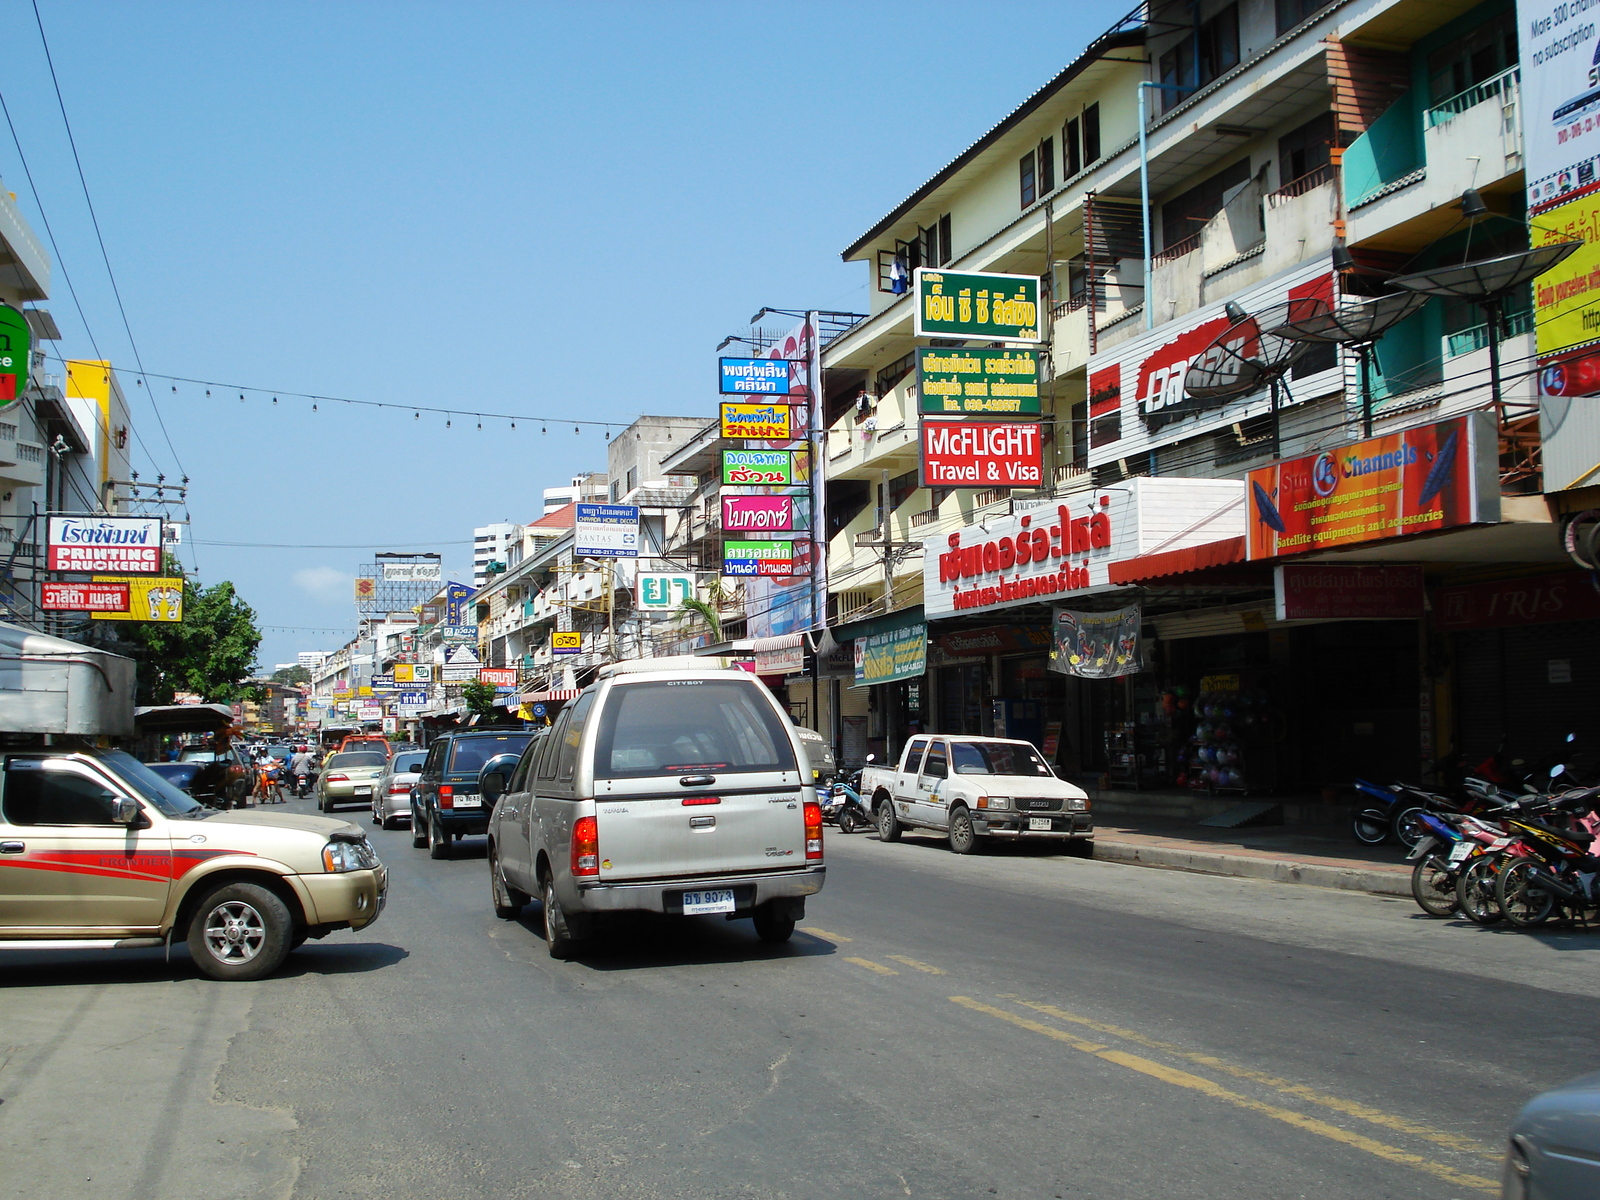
(125, 545)
(981, 454)
(1432, 477)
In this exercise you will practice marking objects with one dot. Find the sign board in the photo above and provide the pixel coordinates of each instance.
(458, 634)
(366, 588)
(402, 672)
(564, 641)
(1530, 600)
(989, 306)
(391, 724)
(1070, 547)
(982, 454)
(363, 690)
(978, 383)
(780, 655)
(150, 598)
(539, 709)
(766, 422)
(757, 514)
(126, 545)
(892, 655)
(606, 531)
(1137, 401)
(758, 558)
(499, 676)
(762, 377)
(84, 597)
(771, 468)
(1560, 101)
(1423, 479)
(383, 681)
(663, 591)
(1097, 645)
(422, 572)
(458, 674)
(370, 712)
(415, 699)
(421, 673)
(1348, 591)
(16, 344)
(461, 655)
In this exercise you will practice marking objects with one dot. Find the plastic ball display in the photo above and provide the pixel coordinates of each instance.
(1202, 731)
(1221, 732)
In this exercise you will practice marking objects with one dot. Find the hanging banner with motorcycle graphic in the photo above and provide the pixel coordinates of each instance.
(1097, 645)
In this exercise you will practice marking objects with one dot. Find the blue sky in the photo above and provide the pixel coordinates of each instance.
(546, 209)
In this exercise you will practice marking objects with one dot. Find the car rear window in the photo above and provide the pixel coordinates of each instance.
(669, 726)
(357, 758)
(469, 754)
(409, 762)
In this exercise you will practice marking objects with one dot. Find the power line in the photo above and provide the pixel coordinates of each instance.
(99, 237)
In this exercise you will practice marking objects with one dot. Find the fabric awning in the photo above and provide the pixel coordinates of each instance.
(1177, 562)
(540, 697)
(780, 655)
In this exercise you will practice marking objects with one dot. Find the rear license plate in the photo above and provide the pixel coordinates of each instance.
(363, 791)
(469, 801)
(720, 900)
(1460, 851)
(1039, 823)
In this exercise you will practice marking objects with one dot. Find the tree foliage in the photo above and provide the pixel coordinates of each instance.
(294, 674)
(210, 652)
(479, 698)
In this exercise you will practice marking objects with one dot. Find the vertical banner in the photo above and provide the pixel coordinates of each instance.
(1097, 645)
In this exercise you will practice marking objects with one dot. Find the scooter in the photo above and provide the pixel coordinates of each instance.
(852, 814)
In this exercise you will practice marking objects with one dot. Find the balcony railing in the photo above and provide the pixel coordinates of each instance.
(1473, 96)
(926, 517)
(1299, 187)
(1178, 249)
(1477, 337)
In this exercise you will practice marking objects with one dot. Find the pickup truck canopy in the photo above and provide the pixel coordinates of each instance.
(51, 685)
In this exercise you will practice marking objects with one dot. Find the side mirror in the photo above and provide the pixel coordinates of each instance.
(872, 758)
(124, 812)
(1572, 737)
(1557, 771)
(492, 786)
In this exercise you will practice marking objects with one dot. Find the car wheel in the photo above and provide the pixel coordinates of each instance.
(557, 933)
(438, 839)
(419, 829)
(771, 926)
(962, 838)
(508, 901)
(240, 931)
(888, 824)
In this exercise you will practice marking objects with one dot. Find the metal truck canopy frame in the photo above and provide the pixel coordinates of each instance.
(50, 685)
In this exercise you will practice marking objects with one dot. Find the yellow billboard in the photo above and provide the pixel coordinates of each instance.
(150, 598)
(1566, 299)
(403, 673)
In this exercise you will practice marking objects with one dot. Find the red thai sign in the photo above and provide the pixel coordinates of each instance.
(982, 454)
(499, 676)
(1349, 592)
(996, 639)
(1415, 481)
(84, 597)
(1534, 600)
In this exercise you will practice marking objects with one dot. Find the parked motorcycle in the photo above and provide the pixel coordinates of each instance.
(852, 814)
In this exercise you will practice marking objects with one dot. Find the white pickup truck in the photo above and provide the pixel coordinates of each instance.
(976, 787)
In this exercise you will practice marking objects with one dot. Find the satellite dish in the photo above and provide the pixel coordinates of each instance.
(1251, 354)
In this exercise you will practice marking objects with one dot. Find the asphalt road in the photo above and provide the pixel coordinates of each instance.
(1014, 1025)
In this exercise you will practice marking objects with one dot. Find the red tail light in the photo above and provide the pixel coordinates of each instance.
(813, 831)
(338, 779)
(447, 796)
(399, 789)
(586, 847)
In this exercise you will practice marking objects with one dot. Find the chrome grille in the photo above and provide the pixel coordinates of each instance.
(1040, 804)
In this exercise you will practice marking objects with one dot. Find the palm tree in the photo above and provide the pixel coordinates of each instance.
(707, 612)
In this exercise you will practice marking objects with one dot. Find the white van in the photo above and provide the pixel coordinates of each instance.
(667, 786)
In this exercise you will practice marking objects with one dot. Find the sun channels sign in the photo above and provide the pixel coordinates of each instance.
(978, 383)
(125, 545)
(990, 306)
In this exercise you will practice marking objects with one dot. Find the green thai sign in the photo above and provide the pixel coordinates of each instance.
(988, 383)
(16, 346)
(996, 308)
(892, 655)
(765, 468)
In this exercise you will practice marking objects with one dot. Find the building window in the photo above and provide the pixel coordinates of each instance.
(1475, 56)
(1304, 150)
(1185, 214)
(1071, 148)
(1028, 178)
(616, 491)
(633, 479)
(1047, 166)
(1197, 59)
(1292, 12)
(900, 489)
(1091, 135)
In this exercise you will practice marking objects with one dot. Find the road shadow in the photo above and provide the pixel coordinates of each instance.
(644, 941)
(78, 968)
(1553, 936)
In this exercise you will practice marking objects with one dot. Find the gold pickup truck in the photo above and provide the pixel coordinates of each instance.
(99, 852)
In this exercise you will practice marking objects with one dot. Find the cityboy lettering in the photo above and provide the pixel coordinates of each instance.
(1043, 547)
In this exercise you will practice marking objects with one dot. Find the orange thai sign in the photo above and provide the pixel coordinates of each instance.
(1419, 480)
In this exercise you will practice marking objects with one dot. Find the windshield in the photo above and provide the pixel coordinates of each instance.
(669, 726)
(997, 758)
(167, 799)
(357, 758)
(409, 762)
(204, 756)
(469, 754)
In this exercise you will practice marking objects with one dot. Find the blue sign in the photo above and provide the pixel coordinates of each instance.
(420, 699)
(539, 710)
(758, 377)
(455, 595)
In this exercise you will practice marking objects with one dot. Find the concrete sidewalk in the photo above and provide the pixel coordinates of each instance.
(1288, 855)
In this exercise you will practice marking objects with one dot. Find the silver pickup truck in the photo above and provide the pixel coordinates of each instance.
(667, 786)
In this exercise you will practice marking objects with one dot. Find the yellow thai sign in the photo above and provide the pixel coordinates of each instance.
(150, 598)
(1566, 298)
(403, 673)
(768, 422)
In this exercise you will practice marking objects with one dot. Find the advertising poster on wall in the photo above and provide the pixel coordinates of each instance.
(1097, 645)
(978, 383)
(1419, 480)
(1560, 100)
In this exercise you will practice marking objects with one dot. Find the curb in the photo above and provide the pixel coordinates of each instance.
(1279, 870)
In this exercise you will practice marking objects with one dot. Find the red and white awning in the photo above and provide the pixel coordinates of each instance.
(540, 697)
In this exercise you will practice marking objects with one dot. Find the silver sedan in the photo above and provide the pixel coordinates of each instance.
(391, 795)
